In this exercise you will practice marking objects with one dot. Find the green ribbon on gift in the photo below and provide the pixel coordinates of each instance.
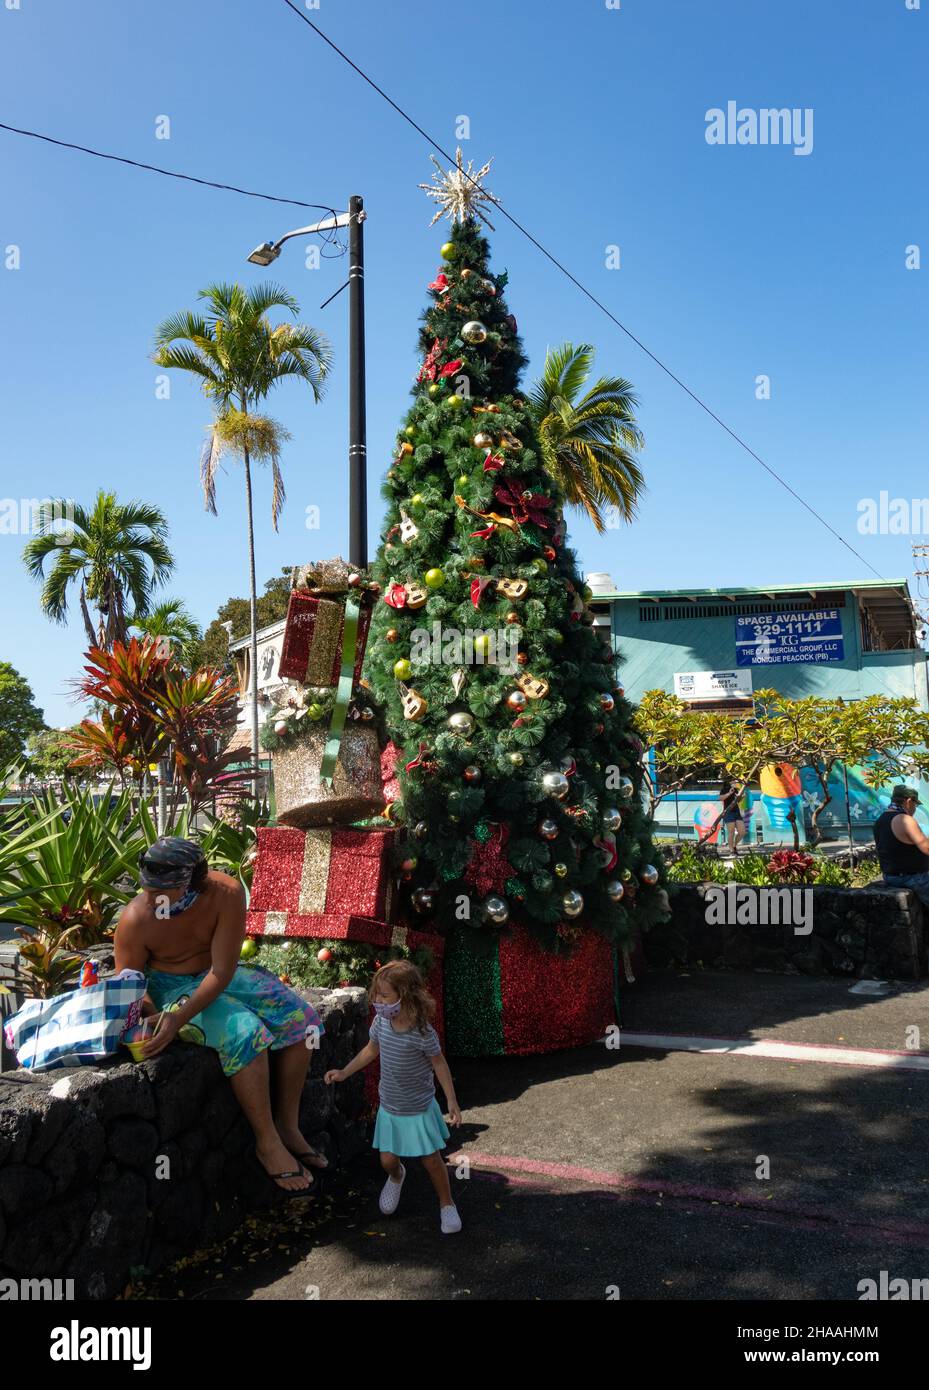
(343, 692)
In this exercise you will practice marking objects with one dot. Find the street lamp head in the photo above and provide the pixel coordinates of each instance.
(265, 254)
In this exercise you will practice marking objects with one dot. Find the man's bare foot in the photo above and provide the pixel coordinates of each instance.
(276, 1158)
(298, 1146)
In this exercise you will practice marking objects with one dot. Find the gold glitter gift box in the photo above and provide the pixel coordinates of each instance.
(356, 792)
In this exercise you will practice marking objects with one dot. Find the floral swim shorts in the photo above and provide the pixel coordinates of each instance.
(254, 1013)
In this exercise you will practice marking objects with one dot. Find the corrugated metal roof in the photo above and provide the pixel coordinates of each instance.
(780, 588)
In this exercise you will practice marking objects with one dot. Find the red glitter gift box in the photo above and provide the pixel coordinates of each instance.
(331, 883)
(311, 651)
(521, 999)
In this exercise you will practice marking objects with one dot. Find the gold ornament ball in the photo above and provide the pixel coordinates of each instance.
(466, 273)
(410, 432)
(516, 700)
(482, 645)
(572, 903)
(416, 500)
(434, 578)
(540, 565)
(511, 618)
(455, 402)
(474, 332)
(315, 712)
(521, 658)
(477, 562)
(448, 251)
(463, 479)
(561, 871)
(406, 449)
(402, 669)
(461, 723)
(434, 388)
(392, 634)
(517, 759)
(483, 440)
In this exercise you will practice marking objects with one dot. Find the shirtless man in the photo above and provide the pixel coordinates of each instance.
(185, 931)
(902, 848)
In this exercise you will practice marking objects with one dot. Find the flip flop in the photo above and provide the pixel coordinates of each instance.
(313, 1160)
(294, 1173)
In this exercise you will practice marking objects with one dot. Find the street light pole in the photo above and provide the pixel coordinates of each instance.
(263, 255)
(357, 433)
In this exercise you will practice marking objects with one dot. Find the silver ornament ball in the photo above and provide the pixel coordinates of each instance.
(626, 788)
(556, 784)
(612, 820)
(496, 910)
(615, 890)
(548, 829)
(572, 904)
(461, 723)
(474, 332)
(649, 875)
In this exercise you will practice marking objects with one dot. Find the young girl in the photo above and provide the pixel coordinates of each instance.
(409, 1121)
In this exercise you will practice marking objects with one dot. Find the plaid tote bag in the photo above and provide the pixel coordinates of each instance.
(74, 1029)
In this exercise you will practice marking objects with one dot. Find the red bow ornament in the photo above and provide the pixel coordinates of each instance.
(525, 506)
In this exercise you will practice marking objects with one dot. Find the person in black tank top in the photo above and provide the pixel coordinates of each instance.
(902, 848)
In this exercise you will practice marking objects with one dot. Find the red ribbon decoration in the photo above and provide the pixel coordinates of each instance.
(440, 282)
(423, 749)
(608, 845)
(451, 368)
(492, 462)
(477, 589)
(487, 531)
(396, 596)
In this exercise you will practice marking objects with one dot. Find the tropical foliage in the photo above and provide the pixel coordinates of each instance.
(153, 710)
(116, 554)
(177, 629)
(239, 356)
(19, 717)
(589, 438)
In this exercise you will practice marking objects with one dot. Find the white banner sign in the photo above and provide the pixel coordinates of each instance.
(713, 685)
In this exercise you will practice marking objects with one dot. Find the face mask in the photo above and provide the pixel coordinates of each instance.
(388, 1010)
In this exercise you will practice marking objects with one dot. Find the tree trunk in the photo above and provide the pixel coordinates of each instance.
(85, 614)
(253, 612)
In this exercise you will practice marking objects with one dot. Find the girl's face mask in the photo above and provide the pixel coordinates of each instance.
(388, 1010)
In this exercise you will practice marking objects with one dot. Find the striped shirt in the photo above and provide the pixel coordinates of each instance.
(407, 1085)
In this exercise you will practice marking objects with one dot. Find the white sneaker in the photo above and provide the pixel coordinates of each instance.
(451, 1221)
(390, 1193)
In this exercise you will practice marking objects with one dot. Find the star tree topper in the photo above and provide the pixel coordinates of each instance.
(459, 192)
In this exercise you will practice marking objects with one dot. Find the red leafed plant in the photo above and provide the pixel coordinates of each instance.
(791, 866)
(155, 710)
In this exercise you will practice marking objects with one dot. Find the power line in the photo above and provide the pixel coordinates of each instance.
(584, 290)
(169, 173)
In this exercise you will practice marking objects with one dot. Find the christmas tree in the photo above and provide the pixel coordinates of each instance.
(519, 770)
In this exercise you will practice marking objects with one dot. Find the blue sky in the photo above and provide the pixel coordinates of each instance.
(736, 260)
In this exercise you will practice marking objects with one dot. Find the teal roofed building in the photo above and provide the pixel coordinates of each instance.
(713, 647)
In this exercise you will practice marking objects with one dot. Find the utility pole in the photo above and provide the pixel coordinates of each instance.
(357, 429)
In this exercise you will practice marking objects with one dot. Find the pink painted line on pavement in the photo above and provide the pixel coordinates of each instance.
(522, 1170)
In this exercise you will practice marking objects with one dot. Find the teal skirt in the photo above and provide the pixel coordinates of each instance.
(410, 1136)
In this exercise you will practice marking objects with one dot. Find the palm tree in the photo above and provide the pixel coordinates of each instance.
(588, 441)
(239, 355)
(170, 619)
(117, 554)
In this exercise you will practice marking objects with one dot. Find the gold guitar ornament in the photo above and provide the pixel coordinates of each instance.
(416, 595)
(414, 705)
(513, 588)
(532, 686)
